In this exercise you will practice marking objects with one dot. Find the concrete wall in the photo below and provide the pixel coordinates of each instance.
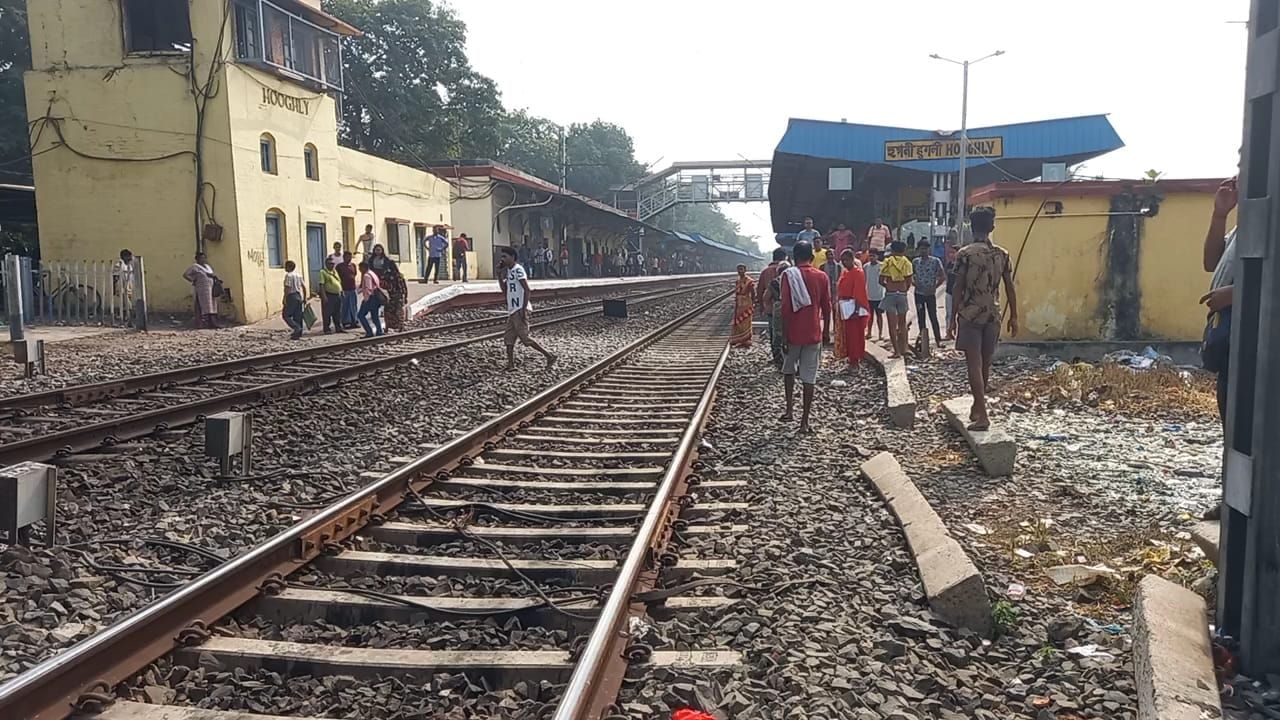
(130, 181)
(1065, 275)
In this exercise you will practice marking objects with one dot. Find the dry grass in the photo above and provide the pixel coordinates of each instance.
(1155, 393)
(1131, 554)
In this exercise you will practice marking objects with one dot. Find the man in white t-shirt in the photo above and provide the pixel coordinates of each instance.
(514, 282)
(878, 236)
(295, 298)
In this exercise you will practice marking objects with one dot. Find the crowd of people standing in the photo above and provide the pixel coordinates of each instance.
(817, 295)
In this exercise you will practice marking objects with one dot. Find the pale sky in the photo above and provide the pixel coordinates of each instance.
(714, 79)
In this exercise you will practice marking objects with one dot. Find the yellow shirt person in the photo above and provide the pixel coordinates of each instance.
(896, 268)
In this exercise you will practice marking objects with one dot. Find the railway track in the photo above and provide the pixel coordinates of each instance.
(544, 531)
(61, 422)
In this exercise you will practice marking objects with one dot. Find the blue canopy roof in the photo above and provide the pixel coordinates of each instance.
(1071, 140)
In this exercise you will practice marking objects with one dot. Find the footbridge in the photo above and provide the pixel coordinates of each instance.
(715, 181)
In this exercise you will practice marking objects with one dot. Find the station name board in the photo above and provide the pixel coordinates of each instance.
(288, 102)
(902, 150)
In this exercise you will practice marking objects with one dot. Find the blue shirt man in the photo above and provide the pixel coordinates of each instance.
(438, 243)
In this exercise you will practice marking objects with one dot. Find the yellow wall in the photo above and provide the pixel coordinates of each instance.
(135, 117)
(127, 109)
(1169, 266)
(1061, 270)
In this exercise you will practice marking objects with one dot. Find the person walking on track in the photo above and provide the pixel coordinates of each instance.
(295, 294)
(331, 297)
(895, 275)
(766, 304)
(347, 273)
(980, 268)
(806, 304)
(875, 291)
(371, 299)
(854, 309)
(394, 288)
(927, 275)
(514, 282)
(744, 291)
(878, 236)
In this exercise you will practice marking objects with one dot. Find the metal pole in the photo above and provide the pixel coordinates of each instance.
(139, 295)
(13, 295)
(564, 160)
(964, 151)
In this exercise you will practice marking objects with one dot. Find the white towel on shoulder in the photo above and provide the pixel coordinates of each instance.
(799, 293)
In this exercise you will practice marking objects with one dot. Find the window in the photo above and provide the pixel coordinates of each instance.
(275, 239)
(156, 26)
(311, 161)
(275, 37)
(397, 235)
(267, 149)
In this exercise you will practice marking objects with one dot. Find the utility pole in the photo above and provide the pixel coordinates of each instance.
(964, 132)
(1248, 604)
(564, 160)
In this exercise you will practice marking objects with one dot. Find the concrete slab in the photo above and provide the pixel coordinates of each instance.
(899, 399)
(479, 291)
(59, 333)
(1205, 534)
(995, 448)
(1172, 657)
(951, 581)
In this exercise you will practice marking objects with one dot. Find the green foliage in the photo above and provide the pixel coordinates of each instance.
(1045, 653)
(413, 96)
(530, 143)
(15, 58)
(1004, 617)
(601, 156)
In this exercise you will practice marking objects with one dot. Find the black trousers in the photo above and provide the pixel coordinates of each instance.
(433, 263)
(331, 311)
(928, 305)
(1223, 377)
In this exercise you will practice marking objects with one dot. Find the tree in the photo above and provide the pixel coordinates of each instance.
(601, 156)
(15, 59)
(413, 96)
(530, 143)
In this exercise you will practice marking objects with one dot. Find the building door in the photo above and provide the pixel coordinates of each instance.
(420, 240)
(316, 253)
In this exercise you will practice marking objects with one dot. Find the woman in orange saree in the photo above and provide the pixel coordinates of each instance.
(743, 307)
(852, 286)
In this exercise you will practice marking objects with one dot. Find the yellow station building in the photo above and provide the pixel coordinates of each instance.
(163, 127)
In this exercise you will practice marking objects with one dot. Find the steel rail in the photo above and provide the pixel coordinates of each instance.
(53, 689)
(598, 674)
(88, 392)
(87, 437)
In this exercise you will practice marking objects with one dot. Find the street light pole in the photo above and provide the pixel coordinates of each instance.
(961, 199)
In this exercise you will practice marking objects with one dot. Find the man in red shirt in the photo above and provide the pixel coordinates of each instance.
(806, 308)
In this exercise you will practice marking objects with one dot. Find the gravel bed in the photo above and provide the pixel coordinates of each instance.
(165, 488)
(447, 696)
(857, 639)
(461, 634)
(124, 354)
(442, 585)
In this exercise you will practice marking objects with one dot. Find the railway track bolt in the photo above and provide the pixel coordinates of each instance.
(193, 634)
(331, 549)
(680, 525)
(161, 427)
(443, 476)
(669, 559)
(466, 461)
(693, 479)
(490, 446)
(685, 502)
(575, 649)
(698, 465)
(95, 699)
(377, 518)
(273, 584)
(638, 653)
(110, 441)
